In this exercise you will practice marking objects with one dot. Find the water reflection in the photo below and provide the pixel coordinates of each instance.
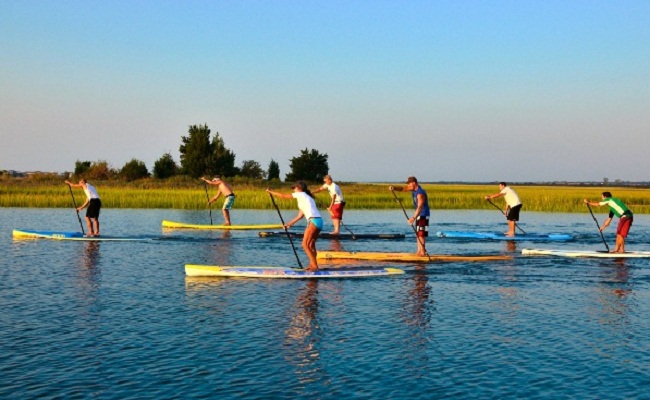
(417, 316)
(302, 333)
(88, 277)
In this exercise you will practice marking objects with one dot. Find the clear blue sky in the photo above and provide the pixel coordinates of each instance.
(444, 90)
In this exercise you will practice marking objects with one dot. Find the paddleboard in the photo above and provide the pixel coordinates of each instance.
(557, 237)
(285, 273)
(182, 225)
(346, 236)
(406, 257)
(584, 253)
(78, 236)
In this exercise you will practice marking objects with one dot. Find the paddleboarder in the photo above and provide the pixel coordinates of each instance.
(421, 215)
(336, 204)
(224, 189)
(513, 206)
(306, 208)
(618, 208)
(93, 203)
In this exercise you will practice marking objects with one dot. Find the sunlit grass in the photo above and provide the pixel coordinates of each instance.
(191, 196)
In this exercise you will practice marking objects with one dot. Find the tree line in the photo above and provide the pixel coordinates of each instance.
(202, 154)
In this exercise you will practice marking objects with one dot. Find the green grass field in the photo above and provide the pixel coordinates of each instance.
(192, 196)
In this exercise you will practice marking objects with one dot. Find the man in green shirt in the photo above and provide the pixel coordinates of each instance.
(618, 208)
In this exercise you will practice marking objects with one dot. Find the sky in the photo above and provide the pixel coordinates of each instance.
(477, 91)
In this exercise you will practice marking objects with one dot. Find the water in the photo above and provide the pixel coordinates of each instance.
(121, 320)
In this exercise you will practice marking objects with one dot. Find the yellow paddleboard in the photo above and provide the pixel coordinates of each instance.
(406, 257)
(285, 272)
(182, 225)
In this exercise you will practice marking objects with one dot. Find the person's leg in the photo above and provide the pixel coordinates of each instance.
(309, 245)
(620, 244)
(89, 223)
(226, 217)
(96, 223)
(511, 228)
(422, 250)
(337, 226)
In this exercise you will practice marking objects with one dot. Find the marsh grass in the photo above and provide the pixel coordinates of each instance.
(189, 195)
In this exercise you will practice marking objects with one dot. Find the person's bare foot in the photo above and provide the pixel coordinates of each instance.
(312, 268)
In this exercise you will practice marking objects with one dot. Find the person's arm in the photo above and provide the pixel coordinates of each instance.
(73, 184)
(332, 202)
(606, 224)
(493, 196)
(280, 195)
(212, 200)
(420, 198)
(396, 188)
(592, 203)
(296, 219)
(84, 205)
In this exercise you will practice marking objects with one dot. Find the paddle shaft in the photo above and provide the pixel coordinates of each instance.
(503, 212)
(407, 218)
(598, 225)
(74, 202)
(207, 196)
(344, 226)
(286, 231)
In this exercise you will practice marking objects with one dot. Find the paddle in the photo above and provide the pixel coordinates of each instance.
(341, 222)
(286, 231)
(502, 212)
(207, 196)
(598, 225)
(412, 227)
(348, 229)
(77, 211)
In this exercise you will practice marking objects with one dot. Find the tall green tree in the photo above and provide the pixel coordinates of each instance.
(165, 167)
(134, 169)
(223, 159)
(252, 169)
(310, 165)
(80, 167)
(196, 151)
(274, 170)
(202, 156)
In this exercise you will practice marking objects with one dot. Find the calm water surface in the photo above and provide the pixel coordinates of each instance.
(121, 320)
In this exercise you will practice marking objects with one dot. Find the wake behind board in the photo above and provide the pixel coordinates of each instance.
(344, 236)
(407, 257)
(75, 236)
(584, 253)
(285, 273)
(182, 225)
(554, 237)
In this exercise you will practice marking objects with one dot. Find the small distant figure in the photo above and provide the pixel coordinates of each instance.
(513, 206)
(93, 203)
(224, 189)
(307, 208)
(618, 208)
(336, 204)
(422, 212)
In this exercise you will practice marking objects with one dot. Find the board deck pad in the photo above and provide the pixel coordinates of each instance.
(343, 236)
(74, 236)
(407, 257)
(286, 272)
(183, 225)
(584, 253)
(554, 237)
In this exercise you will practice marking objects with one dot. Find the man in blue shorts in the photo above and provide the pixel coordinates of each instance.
(228, 196)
